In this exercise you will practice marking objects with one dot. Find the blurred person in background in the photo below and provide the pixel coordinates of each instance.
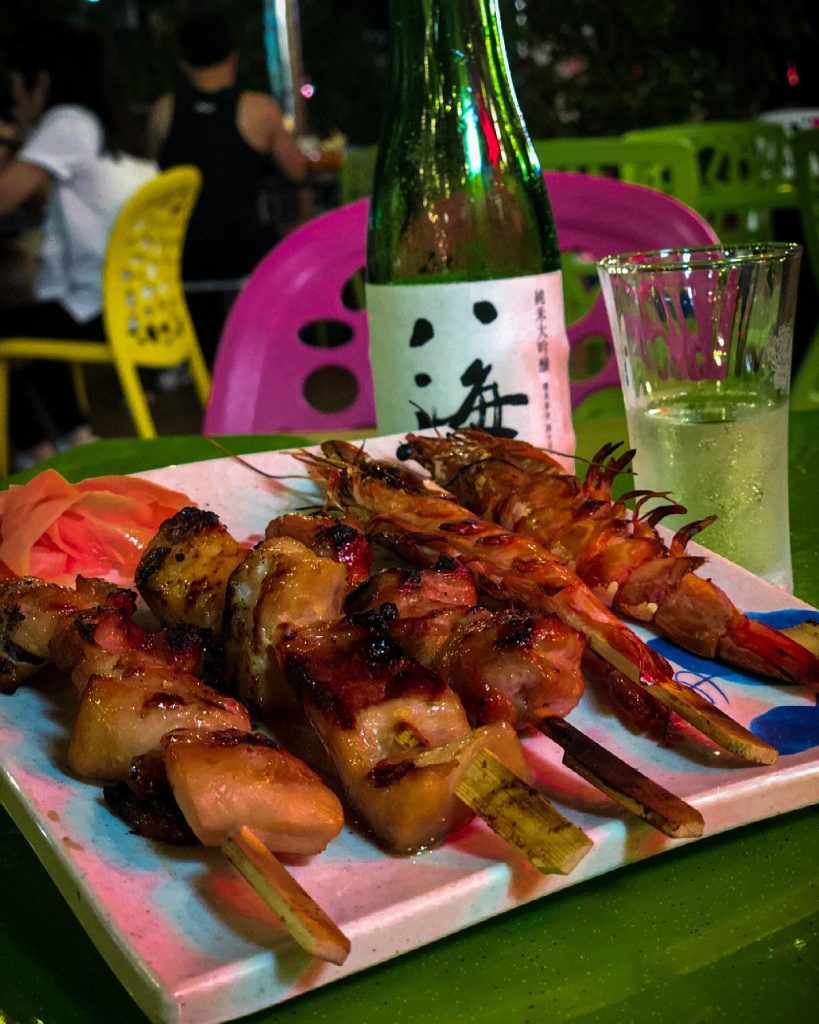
(75, 143)
(235, 137)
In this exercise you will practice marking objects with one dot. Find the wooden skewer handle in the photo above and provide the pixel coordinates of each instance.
(695, 709)
(521, 816)
(617, 779)
(300, 914)
(712, 722)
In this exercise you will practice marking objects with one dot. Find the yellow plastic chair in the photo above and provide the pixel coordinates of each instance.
(146, 318)
(805, 389)
(742, 174)
(668, 166)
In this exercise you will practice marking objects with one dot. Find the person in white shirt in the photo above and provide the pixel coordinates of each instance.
(67, 87)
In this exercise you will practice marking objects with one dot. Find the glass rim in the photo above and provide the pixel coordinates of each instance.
(699, 257)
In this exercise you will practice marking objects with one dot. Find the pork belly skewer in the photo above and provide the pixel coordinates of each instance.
(397, 735)
(422, 525)
(618, 553)
(511, 666)
(236, 789)
(409, 762)
(300, 574)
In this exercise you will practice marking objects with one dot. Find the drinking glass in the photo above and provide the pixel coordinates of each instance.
(703, 338)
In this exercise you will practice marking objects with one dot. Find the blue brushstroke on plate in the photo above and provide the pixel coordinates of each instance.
(790, 729)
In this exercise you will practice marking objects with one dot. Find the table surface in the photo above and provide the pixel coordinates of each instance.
(726, 929)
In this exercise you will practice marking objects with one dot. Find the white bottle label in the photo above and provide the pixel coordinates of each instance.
(490, 354)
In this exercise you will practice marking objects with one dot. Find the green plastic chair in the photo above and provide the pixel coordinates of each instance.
(355, 175)
(667, 166)
(742, 168)
(805, 389)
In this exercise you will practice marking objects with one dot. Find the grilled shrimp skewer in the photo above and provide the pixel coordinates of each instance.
(424, 525)
(618, 553)
(192, 764)
(512, 666)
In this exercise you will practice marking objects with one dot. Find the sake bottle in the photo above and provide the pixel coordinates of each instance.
(464, 295)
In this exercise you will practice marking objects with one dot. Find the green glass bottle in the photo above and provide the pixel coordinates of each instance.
(464, 295)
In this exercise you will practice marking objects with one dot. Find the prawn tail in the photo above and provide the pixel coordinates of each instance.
(760, 648)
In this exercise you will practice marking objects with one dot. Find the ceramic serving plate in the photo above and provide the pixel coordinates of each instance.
(194, 945)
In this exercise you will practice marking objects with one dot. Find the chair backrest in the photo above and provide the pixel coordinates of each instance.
(806, 162)
(265, 373)
(666, 165)
(146, 317)
(805, 386)
(742, 168)
(355, 174)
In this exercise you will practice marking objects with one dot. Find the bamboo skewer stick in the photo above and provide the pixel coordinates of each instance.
(515, 811)
(624, 784)
(521, 816)
(694, 708)
(712, 722)
(301, 915)
(805, 633)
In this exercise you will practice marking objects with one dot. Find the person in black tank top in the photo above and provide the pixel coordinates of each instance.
(235, 138)
(226, 237)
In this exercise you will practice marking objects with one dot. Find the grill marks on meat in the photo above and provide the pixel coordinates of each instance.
(365, 697)
(448, 584)
(106, 641)
(183, 572)
(120, 718)
(341, 540)
(505, 665)
(345, 669)
(31, 611)
(280, 587)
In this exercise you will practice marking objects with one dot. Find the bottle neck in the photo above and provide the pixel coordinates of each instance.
(458, 191)
(449, 63)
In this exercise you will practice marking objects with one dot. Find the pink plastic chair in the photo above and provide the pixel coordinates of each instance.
(264, 369)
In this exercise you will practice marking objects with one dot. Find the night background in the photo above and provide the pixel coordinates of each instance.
(580, 67)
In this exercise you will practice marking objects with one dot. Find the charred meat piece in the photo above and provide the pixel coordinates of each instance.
(415, 592)
(226, 779)
(504, 665)
(31, 611)
(280, 587)
(184, 570)
(106, 641)
(340, 539)
(120, 718)
(396, 733)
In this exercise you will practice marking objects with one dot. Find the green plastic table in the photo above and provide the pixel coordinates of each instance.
(725, 929)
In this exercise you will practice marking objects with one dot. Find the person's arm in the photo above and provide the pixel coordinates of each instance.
(159, 123)
(262, 124)
(287, 154)
(19, 181)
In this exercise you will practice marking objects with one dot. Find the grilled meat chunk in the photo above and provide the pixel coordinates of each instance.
(281, 586)
(225, 779)
(184, 570)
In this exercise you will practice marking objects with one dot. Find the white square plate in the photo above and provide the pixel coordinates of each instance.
(193, 945)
